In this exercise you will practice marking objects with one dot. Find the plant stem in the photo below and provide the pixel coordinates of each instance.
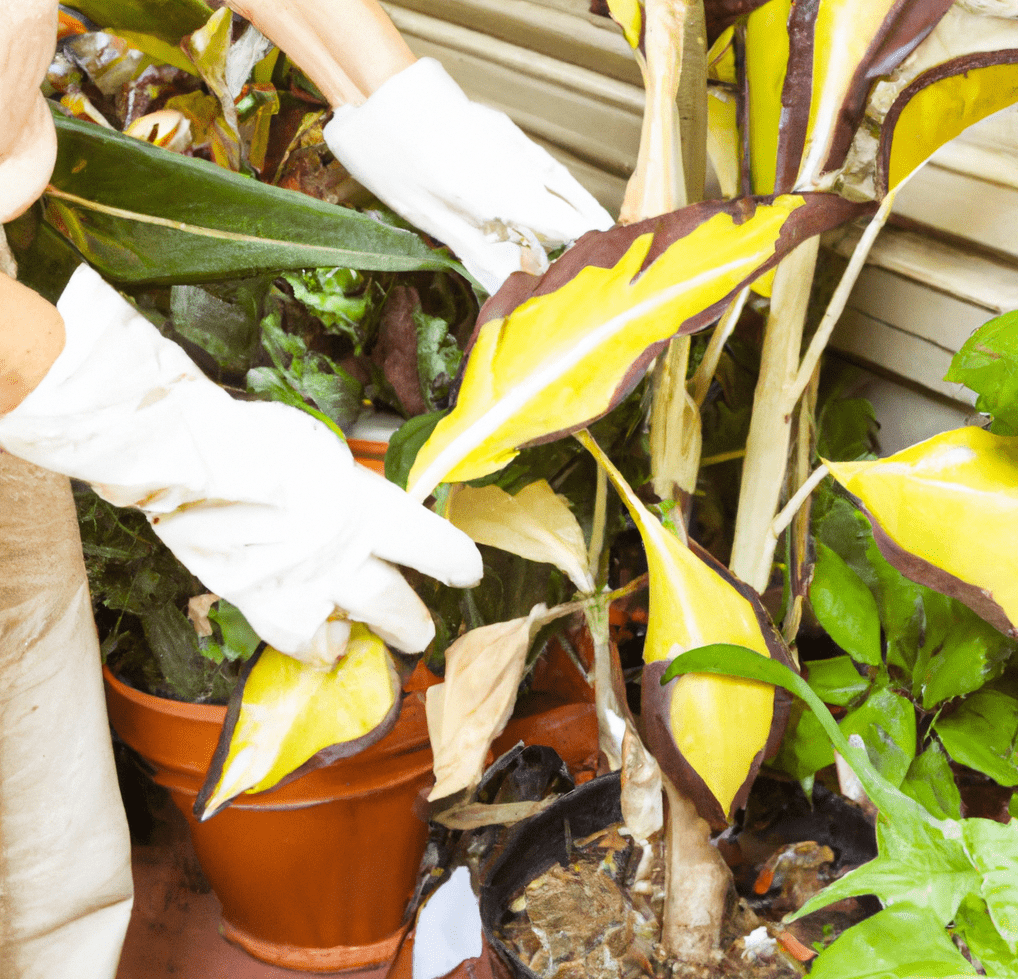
(763, 471)
(789, 510)
(701, 380)
(696, 884)
(837, 304)
(598, 524)
(605, 701)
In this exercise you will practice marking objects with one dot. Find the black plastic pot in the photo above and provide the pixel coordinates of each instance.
(540, 843)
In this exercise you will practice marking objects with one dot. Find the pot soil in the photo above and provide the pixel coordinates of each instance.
(315, 875)
(557, 903)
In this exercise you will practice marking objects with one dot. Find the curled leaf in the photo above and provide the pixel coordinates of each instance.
(468, 711)
(286, 718)
(708, 733)
(536, 523)
(945, 514)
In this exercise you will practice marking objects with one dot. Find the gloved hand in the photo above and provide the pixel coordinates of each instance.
(462, 172)
(259, 500)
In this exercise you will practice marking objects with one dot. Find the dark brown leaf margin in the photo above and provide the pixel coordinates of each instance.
(948, 69)
(916, 569)
(906, 25)
(656, 703)
(320, 759)
(818, 213)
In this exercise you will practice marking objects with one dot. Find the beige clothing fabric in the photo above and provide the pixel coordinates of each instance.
(65, 856)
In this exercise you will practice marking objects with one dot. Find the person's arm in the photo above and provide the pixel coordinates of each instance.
(31, 338)
(348, 48)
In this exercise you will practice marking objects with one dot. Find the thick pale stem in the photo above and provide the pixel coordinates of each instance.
(791, 508)
(675, 435)
(763, 471)
(696, 886)
(598, 524)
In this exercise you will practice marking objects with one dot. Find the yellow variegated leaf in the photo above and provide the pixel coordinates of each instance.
(939, 105)
(723, 138)
(945, 513)
(719, 724)
(285, 713)
(853, 42)
(766, 63)
(536, 524)
(629, 16)
(483, 669)
(570, 352)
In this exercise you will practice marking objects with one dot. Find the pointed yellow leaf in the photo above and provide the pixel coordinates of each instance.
(945, 513)
(483, 669)
(629, 16)
(720, 725)
(536, 524)
(940, 104)
(567, 354)
(287, 716)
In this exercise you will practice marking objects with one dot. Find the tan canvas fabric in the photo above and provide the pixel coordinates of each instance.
(65, 873)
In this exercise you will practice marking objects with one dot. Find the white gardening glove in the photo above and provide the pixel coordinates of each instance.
(462, 172)
(259, 500)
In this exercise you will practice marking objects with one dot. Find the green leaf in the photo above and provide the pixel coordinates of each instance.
(438, 356)
(406, 442)
(169, 20)
(174, 644)
(902, 942)
(139, 213)
(845, 607)
(837, 681)
(846, 428)
(228, 332)
(993, 849)
(930, 782)
(887, 725)
(973, 653)
(239, 640)
(804, 748)
(983, 734)
(988, 364)
(325, 293)
(974, 925)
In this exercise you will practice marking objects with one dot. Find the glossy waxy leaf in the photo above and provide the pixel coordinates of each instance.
(971, 654)
(707, 733)
(974, 925)
(930, 782)
(169, 20)
(628, 14)
(804, 748)
(535, 523)
(988, 364)
(945, 513)
(886, 723)
(287, 717)
(836, 681)
(550, 355)
(766, 63)
(139, 213)
(901, 942)
(845, 607)
(983, 734)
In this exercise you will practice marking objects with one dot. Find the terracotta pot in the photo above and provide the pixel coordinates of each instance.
(315, 875)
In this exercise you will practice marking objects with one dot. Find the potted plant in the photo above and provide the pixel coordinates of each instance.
(615, 300)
